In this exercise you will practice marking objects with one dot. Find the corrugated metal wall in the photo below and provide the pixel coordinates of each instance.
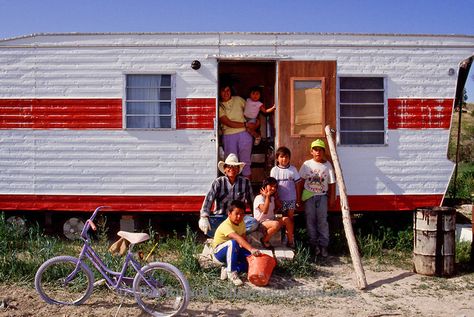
(113, 161)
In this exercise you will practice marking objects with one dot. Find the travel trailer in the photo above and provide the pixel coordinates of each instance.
(129, 120)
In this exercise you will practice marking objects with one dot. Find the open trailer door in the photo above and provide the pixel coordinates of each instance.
(307, 103)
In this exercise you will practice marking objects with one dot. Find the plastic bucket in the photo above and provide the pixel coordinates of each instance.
(260, 269)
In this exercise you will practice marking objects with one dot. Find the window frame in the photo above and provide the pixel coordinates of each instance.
(173, 99)
(385, 109)
(294, 79)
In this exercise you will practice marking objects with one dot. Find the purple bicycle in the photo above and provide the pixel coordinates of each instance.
(159, 288)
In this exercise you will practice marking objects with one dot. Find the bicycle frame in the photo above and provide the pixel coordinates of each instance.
(159, 288)
(112, 278)
(109, 275)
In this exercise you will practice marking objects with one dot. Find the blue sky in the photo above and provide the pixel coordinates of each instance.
(22, 17)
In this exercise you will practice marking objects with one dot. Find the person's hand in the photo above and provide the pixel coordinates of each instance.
(253, 125)
(255, 252)
(204, 224)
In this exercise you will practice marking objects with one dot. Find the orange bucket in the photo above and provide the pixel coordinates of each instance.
(260, 269)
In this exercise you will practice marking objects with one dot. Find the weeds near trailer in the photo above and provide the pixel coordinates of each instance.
(386, 241)
(22, 251)
(465, 179)
(300, 266)
(463, 256)
(465, 183)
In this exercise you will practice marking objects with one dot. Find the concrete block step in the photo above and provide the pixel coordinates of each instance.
(280, 253)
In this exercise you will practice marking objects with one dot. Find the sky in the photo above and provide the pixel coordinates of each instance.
(24, 17)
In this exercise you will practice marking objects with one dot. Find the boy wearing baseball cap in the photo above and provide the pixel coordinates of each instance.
(319, 190)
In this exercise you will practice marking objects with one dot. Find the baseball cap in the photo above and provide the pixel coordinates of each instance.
(319, 143)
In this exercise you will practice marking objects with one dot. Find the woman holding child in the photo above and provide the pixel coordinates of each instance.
(235, 137)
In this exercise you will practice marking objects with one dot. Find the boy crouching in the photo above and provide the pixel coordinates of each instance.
(230, 244)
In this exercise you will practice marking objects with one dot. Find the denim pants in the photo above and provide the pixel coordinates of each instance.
(316, 213)
(233, 256)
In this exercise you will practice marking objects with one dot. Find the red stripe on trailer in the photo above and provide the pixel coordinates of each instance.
(195, 113)
(87, 203)
(191, 113)
(61, 113)
(192, 203)
(419, 113)
(392, 202)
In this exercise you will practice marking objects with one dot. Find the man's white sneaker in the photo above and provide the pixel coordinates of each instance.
(234, 278)
(223, 273)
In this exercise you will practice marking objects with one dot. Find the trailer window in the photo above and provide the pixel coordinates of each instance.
(307, 106)
(361, 110)
(149, 102)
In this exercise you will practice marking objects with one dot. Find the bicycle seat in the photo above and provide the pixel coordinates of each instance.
(133, 237)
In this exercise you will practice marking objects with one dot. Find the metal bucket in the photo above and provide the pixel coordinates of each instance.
(434, 242)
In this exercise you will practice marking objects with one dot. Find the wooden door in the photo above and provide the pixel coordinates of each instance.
(306, 103)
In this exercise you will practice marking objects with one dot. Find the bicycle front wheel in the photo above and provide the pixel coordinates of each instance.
(56, 283)
(161, 289)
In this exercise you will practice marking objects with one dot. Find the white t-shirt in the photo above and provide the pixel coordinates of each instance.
(258, 214)
(317, 176)
(286, 177)
(252, 108)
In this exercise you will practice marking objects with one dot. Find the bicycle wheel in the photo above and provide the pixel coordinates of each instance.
(164, 291)
(51, 285)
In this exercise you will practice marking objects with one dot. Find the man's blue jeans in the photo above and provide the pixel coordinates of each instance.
(316, 213)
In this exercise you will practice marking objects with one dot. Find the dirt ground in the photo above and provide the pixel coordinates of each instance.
(391, 292)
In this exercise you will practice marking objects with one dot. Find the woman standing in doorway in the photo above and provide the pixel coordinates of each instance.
(236, 139)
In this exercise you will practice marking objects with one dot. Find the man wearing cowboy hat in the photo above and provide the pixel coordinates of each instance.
(225, 189)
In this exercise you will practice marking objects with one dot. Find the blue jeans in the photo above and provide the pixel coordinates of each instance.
(251, 224)
(316, 213)
(233, 256)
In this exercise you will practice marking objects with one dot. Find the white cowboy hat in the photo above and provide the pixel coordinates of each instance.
(231, 160)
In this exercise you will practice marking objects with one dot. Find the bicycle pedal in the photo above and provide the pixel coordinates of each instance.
(99, 282)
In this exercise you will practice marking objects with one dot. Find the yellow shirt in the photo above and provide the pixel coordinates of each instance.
(234, 110)
(226, 228)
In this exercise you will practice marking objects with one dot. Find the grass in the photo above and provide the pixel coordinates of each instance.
(465, 179)
(22, 252)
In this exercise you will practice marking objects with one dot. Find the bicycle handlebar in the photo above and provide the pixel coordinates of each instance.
(90, 222)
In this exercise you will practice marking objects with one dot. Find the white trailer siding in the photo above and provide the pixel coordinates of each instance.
(116, 162)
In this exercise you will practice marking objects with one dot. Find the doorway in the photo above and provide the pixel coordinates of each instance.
(243, 75)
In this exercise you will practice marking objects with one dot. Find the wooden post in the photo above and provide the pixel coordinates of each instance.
(346, 216)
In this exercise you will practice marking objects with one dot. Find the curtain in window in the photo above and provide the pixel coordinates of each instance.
(148, 101)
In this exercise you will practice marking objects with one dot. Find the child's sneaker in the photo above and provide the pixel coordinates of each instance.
(223, 273)
(234, 278)
(257, 140)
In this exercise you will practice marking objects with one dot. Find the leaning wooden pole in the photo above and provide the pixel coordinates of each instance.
(346, 215)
